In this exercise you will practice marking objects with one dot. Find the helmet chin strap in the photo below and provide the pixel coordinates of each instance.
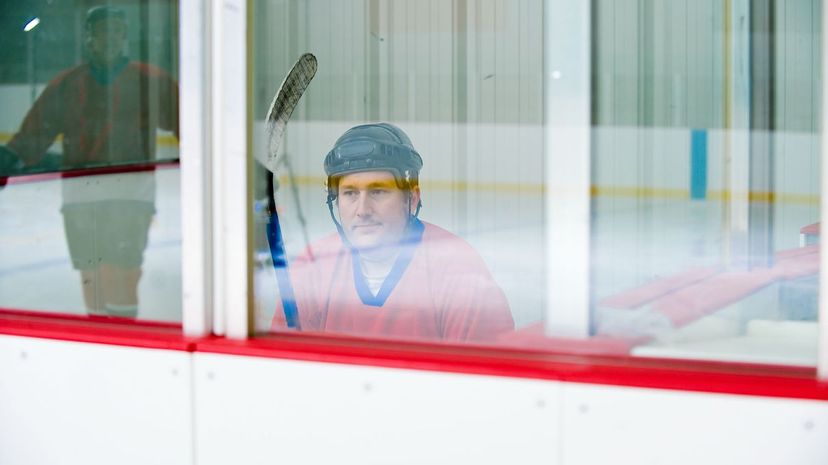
(337, 223)
(416, 212)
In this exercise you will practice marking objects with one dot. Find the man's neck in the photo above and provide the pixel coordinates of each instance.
(106, 63)
(105, 72)
(379, 255)
(376, 265)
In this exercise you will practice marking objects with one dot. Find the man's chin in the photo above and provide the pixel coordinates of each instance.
(364, 243)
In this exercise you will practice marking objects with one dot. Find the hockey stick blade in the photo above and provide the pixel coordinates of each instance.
(284, 102)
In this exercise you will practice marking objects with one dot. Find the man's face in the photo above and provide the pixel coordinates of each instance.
(373, 210)
(106, 40)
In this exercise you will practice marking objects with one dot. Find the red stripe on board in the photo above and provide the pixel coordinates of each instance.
(76, 173)
(12, 312)
(681, 375)
(99, 330)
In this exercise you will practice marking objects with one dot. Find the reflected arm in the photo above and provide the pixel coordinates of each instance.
(169, 93)
(40, 127)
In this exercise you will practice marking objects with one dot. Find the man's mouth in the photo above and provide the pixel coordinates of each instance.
(365, 226)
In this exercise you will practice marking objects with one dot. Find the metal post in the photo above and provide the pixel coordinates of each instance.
(567, 125)
(822, 360)
(760, 211)
(232, 194)
(736, 169)
(196, 169)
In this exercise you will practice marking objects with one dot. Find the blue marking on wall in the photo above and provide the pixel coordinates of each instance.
(698, 164)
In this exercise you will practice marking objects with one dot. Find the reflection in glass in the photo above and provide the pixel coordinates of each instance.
(474, 119)
(385, 273)
(704, 158)
(105, 112)
(706, 165)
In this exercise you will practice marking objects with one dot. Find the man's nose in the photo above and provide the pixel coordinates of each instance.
(364, 207)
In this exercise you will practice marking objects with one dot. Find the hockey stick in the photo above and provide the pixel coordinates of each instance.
(284, 102)
(294, 189)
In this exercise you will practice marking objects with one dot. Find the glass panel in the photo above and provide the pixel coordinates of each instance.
(462, 80)
(705, 188)
(89, 130)
(706, 171)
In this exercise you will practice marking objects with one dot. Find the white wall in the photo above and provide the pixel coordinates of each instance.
(314, 413)
(77, 403)
(72, 403)
(256, 411)
(603, 424)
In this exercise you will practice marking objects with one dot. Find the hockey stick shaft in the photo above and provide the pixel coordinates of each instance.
(285, 101)
(280, 266)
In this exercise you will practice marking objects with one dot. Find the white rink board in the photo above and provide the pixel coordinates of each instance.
(611, 425)
(267, 411)
(76, 403)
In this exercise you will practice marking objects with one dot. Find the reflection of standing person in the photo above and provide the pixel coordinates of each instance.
(108, 110)
(386, 273)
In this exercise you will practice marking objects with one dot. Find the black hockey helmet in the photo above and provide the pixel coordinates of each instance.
(373, 147)
(98, 13)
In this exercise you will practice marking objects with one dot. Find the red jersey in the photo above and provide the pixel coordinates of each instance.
(106, 117)
(444, 292)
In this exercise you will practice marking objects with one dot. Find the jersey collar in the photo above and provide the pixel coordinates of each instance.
(408, 245)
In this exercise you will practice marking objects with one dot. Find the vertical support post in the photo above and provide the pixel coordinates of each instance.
(567, 122)
(196, 171)
(460, 109)
(761, 198)
(232, 186)
(736, 169)
(31, 66)
(822, 356)
(372, 63)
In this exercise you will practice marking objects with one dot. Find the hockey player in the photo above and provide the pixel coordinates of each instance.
(386, 273)
(108, 110)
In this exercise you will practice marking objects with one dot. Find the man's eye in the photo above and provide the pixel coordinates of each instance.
(378, 192)
(349, 193)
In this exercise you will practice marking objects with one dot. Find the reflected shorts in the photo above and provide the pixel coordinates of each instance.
(112, 232)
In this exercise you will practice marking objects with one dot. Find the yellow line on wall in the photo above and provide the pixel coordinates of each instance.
(595, 191)
(639, 192)
(538, 189)
(162, 141)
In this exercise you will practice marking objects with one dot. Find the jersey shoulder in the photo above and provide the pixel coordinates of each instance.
(450, 248)
(433, 234)
(148, 70)
(326, 247)
(69, 75)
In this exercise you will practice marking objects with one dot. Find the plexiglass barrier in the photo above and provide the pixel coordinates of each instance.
(704, 160)
(90, 202)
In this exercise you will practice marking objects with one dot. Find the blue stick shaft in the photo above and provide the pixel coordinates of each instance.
(280, 265)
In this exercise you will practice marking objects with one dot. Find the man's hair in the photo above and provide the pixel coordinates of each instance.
(414, 182)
